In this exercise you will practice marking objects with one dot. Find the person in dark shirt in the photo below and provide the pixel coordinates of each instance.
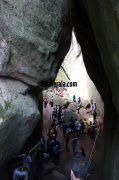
(20, 173)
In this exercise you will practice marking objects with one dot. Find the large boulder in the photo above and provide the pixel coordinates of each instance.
(96, 25)
(68, 113)
(19, 115)
(34, 39)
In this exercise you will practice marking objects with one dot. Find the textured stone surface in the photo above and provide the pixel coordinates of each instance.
(18, 117)
(34, 38)
(104, 18)
(96, 28)
(68, 113)
(75, 68)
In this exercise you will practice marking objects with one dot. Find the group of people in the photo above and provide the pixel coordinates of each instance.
(50, 146)
(72, 130)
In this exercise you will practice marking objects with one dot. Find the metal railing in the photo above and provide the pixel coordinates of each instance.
(93, 148)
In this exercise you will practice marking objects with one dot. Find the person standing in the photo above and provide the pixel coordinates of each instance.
(91, 106)
(59, 116)
(74, 98)
(52, 102)
(20, 173)
(74, 143)
(67, 142)
(64, 127)
(79, 104)
(94, 116)
(53, 114)
(37, 168)
(26, 160)
(45, 102)
(55, 150)
(79, 166)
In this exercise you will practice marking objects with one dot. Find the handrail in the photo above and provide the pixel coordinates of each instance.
(29, 151)
(93, 148)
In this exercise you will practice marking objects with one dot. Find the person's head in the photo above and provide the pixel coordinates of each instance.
(54, 137)
(90, 123)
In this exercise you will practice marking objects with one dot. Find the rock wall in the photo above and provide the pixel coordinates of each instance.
(75, 68)
(34, 38)
(96, 28)
(19, 115)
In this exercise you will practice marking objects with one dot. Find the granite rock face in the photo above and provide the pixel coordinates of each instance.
(18, 117)
(34, 38)
(96, 25)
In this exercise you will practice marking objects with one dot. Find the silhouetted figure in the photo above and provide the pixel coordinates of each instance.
(45, 102)
(74, 98)
(37, 168)
(42, 143)
(94, 116)
(67, 142)
(54, 114)
(64, 127)
(74, 143)
(26, 160)
(55, 150)
(93, 132)
(20, 173)
(52, 102)
(79, 104)
(59, 116)
(82, 152)
(49, 133)
(79, 166)
(78, 128)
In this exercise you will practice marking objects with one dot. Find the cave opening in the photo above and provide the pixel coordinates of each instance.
(73, 70)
